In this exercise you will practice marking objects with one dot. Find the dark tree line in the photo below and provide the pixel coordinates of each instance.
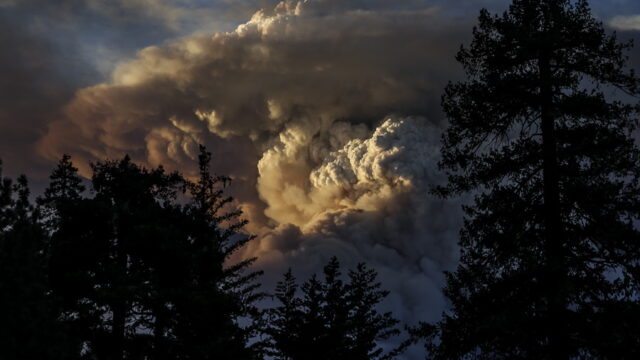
(28, 325)
(542, 133)
(127, 272)
(138, 267)
(331, 319)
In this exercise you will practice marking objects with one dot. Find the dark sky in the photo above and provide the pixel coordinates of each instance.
(326, 114)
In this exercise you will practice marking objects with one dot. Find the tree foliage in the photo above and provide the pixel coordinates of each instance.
(28, 325)
(216, 295)
(141, 266)
(331, 319)
(542, 133)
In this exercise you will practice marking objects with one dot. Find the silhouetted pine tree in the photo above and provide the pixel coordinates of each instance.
(65, 188)
(332, 320)
(363, 294)
(285, 325)
(216, 313)
(100, 251)
(28, 323)
(142, 275)
(550, 247)
(73, 255)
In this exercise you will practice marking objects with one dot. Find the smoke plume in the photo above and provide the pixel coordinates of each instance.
(326, 116)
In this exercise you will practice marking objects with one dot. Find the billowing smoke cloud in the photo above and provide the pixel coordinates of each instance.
(367, 201)
(626, 22)
(293, 71)
(327, 116)
(325, 112)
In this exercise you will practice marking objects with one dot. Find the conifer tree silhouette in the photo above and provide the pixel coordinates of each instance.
(100, 252)
(540, 134)
(331, 319)
(218, 293)
(143, 275)
(28, 324)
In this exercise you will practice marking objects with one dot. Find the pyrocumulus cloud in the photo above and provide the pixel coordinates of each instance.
(327, 118)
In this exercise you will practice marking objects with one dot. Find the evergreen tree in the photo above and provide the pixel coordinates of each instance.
(332, 319)
(142, 275)
(28, 324)
(69, 258)
(217, 294)
(101, 248)
(539, 132)
(65, 188)
(285, 325)
(367, 324)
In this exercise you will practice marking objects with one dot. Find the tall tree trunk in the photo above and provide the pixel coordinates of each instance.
(159, 350)
(554, 240)
(119, 305)
(118, 329)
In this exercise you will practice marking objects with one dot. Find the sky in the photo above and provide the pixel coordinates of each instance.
(324, 112)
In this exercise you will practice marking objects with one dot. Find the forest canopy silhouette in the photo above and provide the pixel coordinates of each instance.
(540, 144)
(140, 269)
